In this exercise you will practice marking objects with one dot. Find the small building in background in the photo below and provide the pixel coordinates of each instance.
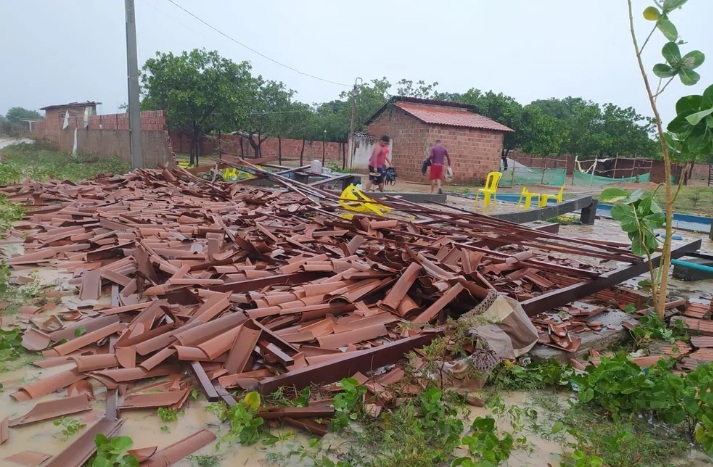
(474, 142)
(55, 114)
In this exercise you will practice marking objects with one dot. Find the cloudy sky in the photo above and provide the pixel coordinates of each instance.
(57, 51)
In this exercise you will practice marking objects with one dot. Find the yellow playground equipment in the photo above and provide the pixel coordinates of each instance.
(528, 195)
(232, 174)
(490, 188)
(353, 199)
(544, 198)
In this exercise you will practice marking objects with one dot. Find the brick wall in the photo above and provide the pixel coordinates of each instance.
(473, 152)
(108, 136)
(230, 144)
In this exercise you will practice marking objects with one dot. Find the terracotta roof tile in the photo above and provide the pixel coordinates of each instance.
(450, 116)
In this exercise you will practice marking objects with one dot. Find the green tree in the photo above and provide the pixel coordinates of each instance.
(270, 104)
(420, 89)
(199, 90)
(16, 115)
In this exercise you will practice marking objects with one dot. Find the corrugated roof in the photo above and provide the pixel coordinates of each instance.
(450, 116)
(72, 104)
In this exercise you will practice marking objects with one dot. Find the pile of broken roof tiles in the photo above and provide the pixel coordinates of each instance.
(222, 286)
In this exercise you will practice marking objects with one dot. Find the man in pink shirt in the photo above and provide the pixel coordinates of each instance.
(438, 156)
(377, 164)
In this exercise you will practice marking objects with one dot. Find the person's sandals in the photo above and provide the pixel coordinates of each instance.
(440, 191)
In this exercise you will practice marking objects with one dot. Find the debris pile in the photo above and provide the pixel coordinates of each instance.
(224, 286)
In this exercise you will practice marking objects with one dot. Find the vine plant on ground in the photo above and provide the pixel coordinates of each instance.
(690, 134)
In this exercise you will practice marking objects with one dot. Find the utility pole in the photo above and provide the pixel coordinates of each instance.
(351, 128)
(132, 68)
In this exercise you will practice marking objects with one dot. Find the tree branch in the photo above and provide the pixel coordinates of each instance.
(646, 41)
(662, 89)
(660, 298)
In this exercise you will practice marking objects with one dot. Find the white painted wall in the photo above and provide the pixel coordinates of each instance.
(362, 152)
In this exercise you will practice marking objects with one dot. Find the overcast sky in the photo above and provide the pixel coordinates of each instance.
(58, 51)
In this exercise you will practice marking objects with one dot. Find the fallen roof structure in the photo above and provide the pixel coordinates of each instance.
(250, 288)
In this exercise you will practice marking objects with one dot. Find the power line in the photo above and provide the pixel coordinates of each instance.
(255, 51)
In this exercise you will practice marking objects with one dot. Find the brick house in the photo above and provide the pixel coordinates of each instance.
(54, 114)
(474, 142)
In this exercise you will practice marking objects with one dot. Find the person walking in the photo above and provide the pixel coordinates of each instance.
(439, 154)
(377, 164)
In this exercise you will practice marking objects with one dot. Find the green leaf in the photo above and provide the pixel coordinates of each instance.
(664, 71)
(122, 443)
(652, 13)
(698, 141)
(695, 119)
(613, 195)
(586, 395)
(679, 125)
(636, 196)
(689, 104)
(707, 98)
(557, 427)
(671, 53)
(637, 247)
(670, 5)
(693, 59)
(626, 216)
(668, 29)
(689, 77)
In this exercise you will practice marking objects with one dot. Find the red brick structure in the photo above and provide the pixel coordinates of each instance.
(54, 114)
(104, 135)
(474, 142)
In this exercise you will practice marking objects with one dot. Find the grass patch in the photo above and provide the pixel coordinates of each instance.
(40, 162)
(591, 437)
(565, 220)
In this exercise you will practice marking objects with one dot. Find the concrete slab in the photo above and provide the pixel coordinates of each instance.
(413, 197)
(590, 340)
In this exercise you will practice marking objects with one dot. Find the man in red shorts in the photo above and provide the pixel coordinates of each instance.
(377, 164)
(439, 154)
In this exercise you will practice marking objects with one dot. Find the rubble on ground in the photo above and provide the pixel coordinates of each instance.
(226, 286)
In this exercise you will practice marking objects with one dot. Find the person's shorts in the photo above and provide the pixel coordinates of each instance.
(377, 175)
(435, 172)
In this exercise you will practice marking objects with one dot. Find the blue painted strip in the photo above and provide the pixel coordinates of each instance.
(687, 218)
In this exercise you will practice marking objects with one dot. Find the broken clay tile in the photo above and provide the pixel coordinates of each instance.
(88, 338)
(220, 344)
(53, 409)
(47, 385)
(432, 311)
(91, 285)
(29, 309)
(245, 342)
(158, 358)
(391, 377)
(82, 387)
(183, 448)
(83, 447)
(142, 454)
(87, 325)
(46, 324)
(203, 332)
(35, 340)
(28, 458)
(4, 430)
(87, 363)
(123, 375)
(126, 356)
(335, 341)
(153, 400)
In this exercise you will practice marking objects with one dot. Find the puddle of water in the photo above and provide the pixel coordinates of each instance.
(143, 426)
